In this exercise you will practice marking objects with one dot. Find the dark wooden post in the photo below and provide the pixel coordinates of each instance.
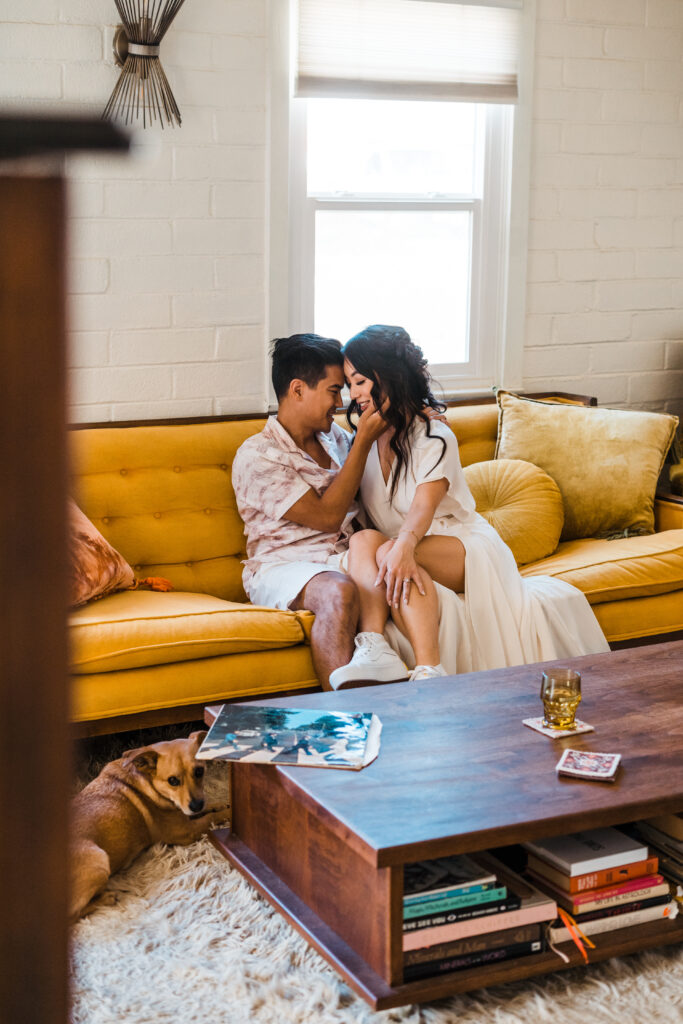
(34, 741)
(35, 752)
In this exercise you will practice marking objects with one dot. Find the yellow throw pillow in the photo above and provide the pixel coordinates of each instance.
(521, 502)
(606, 462)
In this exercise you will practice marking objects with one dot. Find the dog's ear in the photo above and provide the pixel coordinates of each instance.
(198, 738)
(144, 759)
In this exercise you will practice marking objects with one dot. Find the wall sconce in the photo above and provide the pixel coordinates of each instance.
(142, 88)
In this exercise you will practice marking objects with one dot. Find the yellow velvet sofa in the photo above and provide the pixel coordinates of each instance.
(162, 496)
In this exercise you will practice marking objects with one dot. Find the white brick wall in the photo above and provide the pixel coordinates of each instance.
(168, 265)
(166, 274)
(604, 299)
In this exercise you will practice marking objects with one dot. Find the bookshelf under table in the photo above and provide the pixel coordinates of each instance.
(457, 773)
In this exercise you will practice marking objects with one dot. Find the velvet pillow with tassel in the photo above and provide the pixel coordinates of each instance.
(95, 567)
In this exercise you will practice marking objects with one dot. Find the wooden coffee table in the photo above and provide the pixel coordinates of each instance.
(457, 772)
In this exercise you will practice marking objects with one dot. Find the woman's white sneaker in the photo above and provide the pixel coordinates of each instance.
(373, 661)
(427, 672)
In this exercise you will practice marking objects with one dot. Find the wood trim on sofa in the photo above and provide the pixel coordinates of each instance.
(467, 399)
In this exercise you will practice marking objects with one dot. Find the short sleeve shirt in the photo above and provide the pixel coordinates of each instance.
(269, 474)
(430, 460)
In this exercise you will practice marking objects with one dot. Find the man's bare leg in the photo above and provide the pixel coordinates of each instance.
(333, 599)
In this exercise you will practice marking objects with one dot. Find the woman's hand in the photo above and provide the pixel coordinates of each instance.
(398, 569)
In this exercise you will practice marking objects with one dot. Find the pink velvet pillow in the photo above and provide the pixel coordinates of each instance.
(96, 568)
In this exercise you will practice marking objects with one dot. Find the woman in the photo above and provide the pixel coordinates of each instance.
(433, 565)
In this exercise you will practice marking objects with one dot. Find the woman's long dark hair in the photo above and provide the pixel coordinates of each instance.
(398, 371)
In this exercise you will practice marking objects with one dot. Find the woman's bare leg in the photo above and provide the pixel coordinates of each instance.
(443, 558)
(418, 620)
(374, 610)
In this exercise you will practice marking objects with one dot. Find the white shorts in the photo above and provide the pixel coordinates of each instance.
(277, 584)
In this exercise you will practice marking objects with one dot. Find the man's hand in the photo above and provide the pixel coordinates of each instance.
(434, 414)
(398, 569)
(370, 426)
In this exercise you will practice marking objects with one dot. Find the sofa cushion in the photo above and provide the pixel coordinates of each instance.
(95, 567)
(612, 570)
(521, 502)
(606, 462)
(141, 628)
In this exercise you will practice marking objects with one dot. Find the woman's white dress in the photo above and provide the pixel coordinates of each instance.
(501, 619)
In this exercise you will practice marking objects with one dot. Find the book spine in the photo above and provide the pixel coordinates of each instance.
(475, 944)
(454, 903)
(631, 885)
(609, 924)
(623, 908)
(596, 879)
(511, 902)
(457, 890)
(646, 892)
(413, 972)
(671, 824)
(599, 863)
(659, 839)
(545, 910)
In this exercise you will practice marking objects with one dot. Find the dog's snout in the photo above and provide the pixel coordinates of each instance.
(196, 805)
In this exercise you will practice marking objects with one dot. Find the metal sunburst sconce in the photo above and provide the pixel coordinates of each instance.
(142, 88)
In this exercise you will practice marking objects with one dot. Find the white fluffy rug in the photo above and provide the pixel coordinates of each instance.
(189, 940)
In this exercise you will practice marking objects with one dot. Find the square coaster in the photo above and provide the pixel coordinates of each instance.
(557, 734)
(588, 764)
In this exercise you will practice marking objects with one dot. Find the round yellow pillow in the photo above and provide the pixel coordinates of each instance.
(521, 502)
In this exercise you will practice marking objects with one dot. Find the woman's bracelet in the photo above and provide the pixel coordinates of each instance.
(406, 530)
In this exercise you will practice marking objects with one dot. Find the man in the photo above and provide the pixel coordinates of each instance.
(295, 485)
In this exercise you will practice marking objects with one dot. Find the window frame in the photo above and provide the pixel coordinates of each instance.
(499, 238)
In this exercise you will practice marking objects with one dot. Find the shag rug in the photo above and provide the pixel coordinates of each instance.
(186, 939)
(189, 940)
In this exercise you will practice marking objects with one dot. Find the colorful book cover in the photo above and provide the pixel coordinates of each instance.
(459, 874)
(594, 880)
(453, 902)
(292, 736)
(413, 972)
(511, 902)
(583, 852)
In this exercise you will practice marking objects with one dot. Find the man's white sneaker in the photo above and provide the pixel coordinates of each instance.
(427, 672)
(372, 661)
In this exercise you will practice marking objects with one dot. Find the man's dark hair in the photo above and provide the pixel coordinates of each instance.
(303, 357)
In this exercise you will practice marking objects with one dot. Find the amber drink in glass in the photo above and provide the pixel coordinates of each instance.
(561, 694)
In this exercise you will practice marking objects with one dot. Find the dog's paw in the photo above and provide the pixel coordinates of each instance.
(107, 899)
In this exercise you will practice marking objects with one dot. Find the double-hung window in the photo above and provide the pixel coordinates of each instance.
(400, 165)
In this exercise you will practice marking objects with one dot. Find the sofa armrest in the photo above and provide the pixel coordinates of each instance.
(668, 511)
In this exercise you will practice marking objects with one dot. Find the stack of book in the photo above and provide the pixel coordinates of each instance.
(463, 911)
(603, 878)
(665, 836)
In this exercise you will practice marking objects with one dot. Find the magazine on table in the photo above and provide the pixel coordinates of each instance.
(293, 736)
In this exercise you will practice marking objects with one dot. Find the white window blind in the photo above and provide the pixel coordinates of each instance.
(409, 49)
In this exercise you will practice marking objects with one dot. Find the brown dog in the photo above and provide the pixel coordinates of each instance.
(150, 795)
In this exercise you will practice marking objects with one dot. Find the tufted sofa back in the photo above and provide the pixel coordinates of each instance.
(162, 495)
